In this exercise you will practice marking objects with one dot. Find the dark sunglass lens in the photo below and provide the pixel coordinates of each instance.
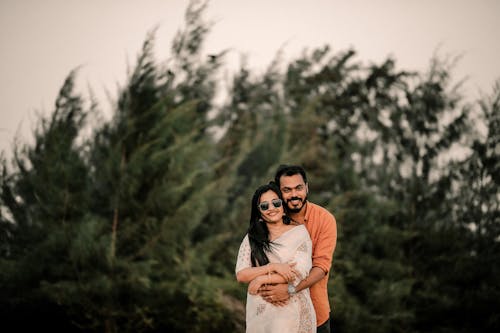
(264, 205)
(277, 203)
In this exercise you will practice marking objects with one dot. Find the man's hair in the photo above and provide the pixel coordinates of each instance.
(289, 170)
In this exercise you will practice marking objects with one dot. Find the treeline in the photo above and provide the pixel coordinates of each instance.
(132, 224)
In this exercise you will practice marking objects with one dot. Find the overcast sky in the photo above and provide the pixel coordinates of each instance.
(41, 41)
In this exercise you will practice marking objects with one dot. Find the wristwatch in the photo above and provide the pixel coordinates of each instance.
(291, 289)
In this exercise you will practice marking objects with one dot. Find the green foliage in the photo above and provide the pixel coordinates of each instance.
(374, 279)
(136, 227)
(42, 204)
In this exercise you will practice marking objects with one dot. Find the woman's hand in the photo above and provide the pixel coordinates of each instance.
(255, 284)
(286, 270)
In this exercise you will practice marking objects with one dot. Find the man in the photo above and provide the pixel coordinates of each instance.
(322, 228)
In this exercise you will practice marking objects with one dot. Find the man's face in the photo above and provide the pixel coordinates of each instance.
(294, 191)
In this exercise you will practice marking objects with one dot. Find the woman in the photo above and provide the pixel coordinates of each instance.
(275, 251)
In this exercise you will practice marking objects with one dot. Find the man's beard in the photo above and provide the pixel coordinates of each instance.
(296, 210)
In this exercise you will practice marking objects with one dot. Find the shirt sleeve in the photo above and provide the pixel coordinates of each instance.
(243, 260)
(325, 243)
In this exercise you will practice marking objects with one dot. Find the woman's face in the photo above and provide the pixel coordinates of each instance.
(271, 207)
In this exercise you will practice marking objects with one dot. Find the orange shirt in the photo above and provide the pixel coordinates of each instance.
(322, 228)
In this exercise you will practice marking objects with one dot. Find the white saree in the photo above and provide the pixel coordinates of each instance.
(298, 315)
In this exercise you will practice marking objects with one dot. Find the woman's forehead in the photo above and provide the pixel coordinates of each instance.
(268, 195)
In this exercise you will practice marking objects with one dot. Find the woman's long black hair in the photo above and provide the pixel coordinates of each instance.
(258, 233)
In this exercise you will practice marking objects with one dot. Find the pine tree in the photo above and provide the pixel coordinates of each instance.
(462, 286)
(43, 201)
(138, 248)
(151, 167)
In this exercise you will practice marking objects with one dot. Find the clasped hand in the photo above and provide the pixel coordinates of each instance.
(278, 294)
(286, 270)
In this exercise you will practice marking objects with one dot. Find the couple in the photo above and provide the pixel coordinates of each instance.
(286, 257)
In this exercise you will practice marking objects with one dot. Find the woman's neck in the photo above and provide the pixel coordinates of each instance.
(276, 229)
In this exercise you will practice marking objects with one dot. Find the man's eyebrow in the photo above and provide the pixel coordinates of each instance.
(288, 187)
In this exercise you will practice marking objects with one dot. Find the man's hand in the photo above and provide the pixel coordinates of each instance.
(275, 294)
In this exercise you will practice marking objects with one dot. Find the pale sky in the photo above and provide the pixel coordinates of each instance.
(41, 41)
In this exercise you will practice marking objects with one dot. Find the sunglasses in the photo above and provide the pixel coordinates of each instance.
(263, 206)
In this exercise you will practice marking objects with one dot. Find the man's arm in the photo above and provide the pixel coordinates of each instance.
(326, 243)
(315, 275)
